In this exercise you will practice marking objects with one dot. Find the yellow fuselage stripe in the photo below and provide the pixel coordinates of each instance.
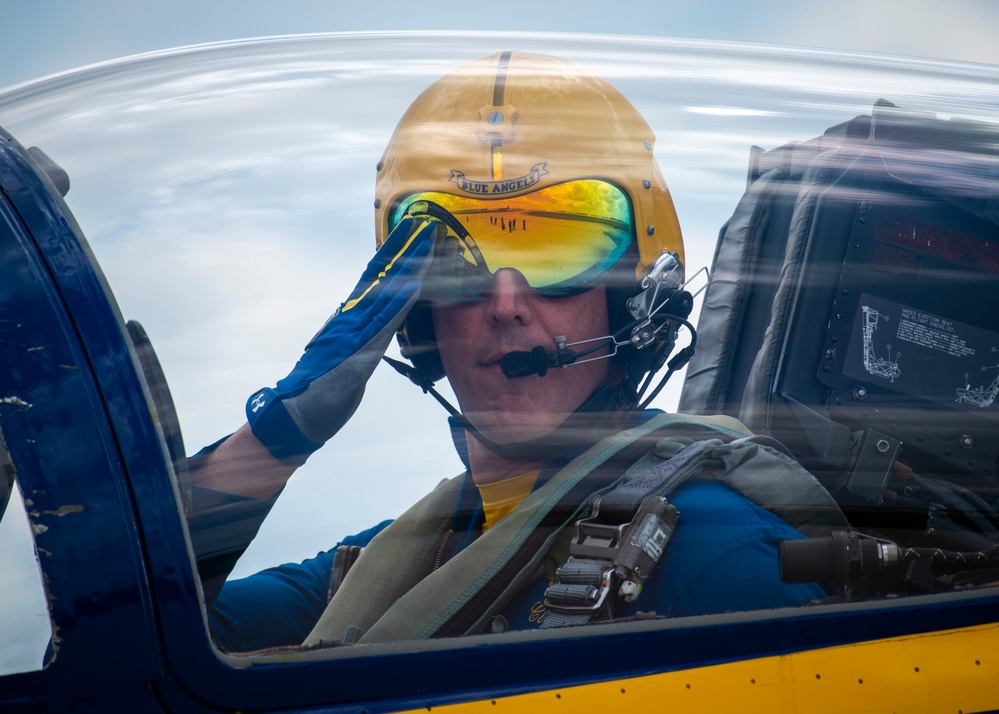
(950, 671)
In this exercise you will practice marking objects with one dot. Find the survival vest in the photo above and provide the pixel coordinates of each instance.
(393, 592)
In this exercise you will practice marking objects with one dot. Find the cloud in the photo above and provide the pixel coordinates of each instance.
(963, 30)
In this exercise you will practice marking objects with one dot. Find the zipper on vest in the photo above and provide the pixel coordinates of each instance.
(439, 561)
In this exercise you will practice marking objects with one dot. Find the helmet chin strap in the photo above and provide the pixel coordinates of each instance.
(595, 418)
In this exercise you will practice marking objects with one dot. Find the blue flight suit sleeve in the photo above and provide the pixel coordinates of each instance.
(278, 606)
(723, 557)
(221, 526)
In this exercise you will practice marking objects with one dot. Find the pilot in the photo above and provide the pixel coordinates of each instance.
(519, 208)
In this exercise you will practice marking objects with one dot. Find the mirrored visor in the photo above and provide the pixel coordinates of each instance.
(563, 239)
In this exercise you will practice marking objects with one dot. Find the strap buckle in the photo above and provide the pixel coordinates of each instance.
(596, 540)
(609, 556)
(582, 587)
(584, 581)
(632, 548)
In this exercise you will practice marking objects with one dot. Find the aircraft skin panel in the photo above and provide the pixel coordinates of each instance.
(947, 671)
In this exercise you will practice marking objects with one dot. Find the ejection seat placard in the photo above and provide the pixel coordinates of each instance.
(924, 355)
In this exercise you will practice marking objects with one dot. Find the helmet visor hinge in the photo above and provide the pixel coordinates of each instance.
(496, 122)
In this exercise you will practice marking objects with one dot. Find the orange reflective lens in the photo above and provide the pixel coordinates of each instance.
(562, 239)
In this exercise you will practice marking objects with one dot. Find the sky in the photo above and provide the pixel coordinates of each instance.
(42, 37)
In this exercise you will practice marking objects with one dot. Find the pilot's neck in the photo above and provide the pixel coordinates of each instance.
(488, 467)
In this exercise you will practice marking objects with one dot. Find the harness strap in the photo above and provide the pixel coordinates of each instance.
(505, 580)
(617, 547)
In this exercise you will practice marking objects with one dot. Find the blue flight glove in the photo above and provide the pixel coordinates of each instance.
(322, 392)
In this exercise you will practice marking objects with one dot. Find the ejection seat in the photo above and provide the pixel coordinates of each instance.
(852, 314)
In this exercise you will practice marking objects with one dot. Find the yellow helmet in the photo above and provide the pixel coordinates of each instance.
(515, 123)
(518, 125)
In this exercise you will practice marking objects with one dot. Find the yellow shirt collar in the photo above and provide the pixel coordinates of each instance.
(501, 497)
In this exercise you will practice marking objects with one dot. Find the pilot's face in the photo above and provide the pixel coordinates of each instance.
(473, 337)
